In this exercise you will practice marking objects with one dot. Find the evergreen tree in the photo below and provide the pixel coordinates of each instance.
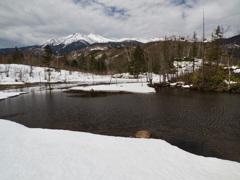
(17, 55)
(215, 52)
(194, 49)
(179, 50)
(101, 67)
(74, 63)
(65, 60)
(82, 64)
(47, 58)
(92, 65)
(137, 64)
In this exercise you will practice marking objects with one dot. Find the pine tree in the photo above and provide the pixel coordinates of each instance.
(179, 50)
(47, 58)
(17, 55)
(101, 67)
(215, 52)
(92, 65)
(74, 63)
(82, 64)
(65, 60)
(194, 49)
(137, 64)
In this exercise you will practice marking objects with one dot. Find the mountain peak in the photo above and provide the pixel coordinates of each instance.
(90, 39)
(98, 39)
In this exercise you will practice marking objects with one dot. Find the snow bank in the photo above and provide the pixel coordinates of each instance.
(127, 87)
(5, 95)
(39, 154)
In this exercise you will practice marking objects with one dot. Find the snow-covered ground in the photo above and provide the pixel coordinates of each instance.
(5, 95)
(20, 74)
(126, 87)
(184, 67)
(27, 154)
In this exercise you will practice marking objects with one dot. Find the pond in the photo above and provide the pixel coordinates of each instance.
(206, 124)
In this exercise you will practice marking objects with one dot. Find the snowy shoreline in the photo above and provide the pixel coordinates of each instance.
(124, 87)
(6, 95)
(11, 74)
(20, 75)
(28, 153)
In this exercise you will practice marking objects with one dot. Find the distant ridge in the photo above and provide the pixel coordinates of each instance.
(92, 39)
(77, 37)
(78, 41)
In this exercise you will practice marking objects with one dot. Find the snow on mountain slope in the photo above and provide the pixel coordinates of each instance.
(91, 39)
(98, 38)
(142, 40)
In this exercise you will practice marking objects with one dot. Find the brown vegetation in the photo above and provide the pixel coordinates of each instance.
(143, 134)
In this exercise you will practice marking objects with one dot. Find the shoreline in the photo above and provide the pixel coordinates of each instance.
(195, 88)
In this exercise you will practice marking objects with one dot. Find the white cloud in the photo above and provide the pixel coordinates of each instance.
(28, 22)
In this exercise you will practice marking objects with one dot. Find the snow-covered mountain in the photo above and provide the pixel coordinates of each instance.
(141, 40)
(91, 39)
(77, 37)
(78, 41)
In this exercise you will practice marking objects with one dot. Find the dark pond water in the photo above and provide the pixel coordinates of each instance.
(206, 124)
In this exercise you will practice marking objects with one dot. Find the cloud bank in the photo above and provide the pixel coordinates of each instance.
(29, 22)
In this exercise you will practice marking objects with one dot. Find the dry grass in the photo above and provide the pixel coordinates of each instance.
(143, 134)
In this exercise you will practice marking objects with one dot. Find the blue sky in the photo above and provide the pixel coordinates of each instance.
(29, 22)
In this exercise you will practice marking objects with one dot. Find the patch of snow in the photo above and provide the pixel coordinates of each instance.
(234, 67)
(98, 39)
(98, 49)
(10, 82)
(53, 42)
(236, 71)
(5, 95)
(126, 87)
(142, 40)
(184, 67)
(39, 154)
(231, 82)
(186, 86)
(173, 84)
